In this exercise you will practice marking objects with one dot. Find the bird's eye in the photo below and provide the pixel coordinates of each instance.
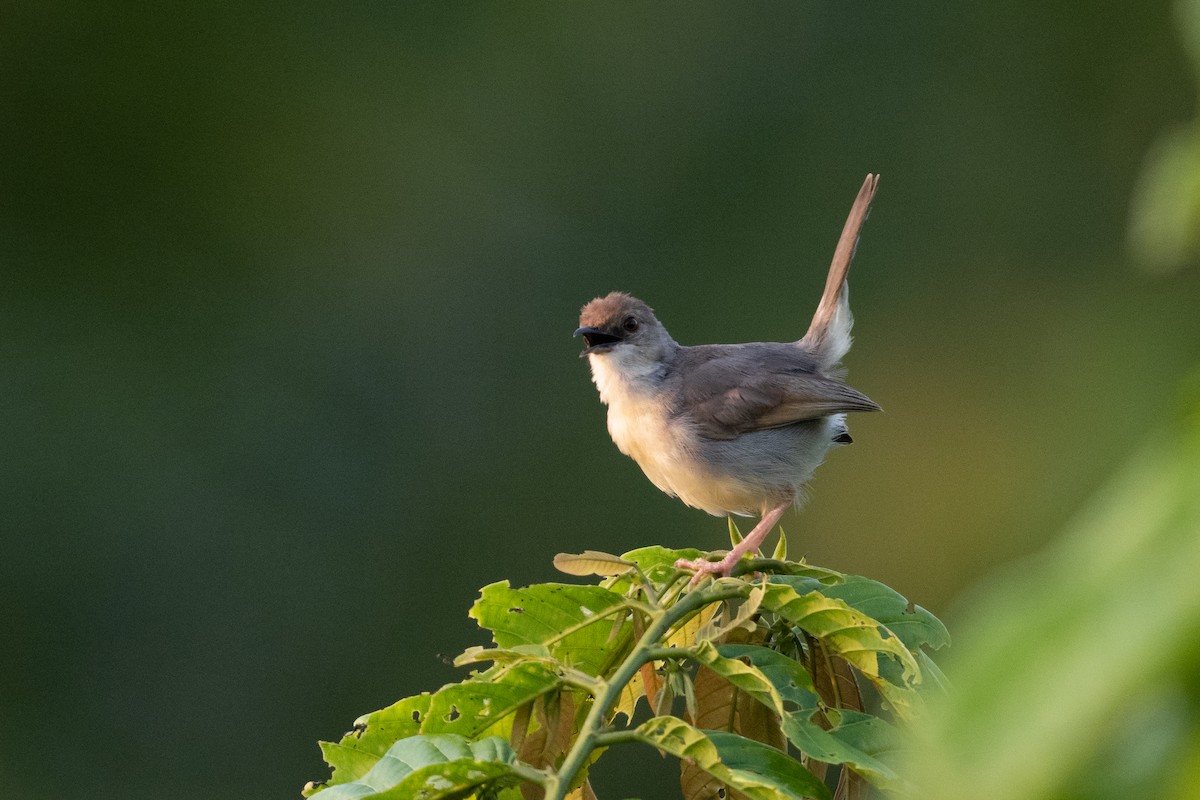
(630, 324)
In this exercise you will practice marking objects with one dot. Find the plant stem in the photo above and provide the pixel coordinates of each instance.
(609, 738)
(608, 691)
(664, 653)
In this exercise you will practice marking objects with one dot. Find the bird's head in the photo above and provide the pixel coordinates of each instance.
(620, 326)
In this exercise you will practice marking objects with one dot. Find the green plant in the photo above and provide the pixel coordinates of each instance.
(1077, 676)
(789, 680)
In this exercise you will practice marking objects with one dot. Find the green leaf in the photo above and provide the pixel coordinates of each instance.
(658, 563)
(373, 734)
(911, 624)
(561, 616)
(349, 763)
(688, 632)
(758, 771)
(505, 655)
(432, 768)
(931, 674)
(722, 705)
(473, 706)
(1166, 202)
(1061, 654)
(857, 638)
(742, 676)
(780, 551)
(592, 562)
(788, 676)
(735, 535)
(858, 739)
(716, 627)
(777, 567)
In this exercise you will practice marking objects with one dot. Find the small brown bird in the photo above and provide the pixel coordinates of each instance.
(728, 428)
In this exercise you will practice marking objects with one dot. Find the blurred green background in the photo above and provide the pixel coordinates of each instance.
(286, 371)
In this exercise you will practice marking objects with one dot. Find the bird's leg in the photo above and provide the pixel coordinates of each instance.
(747, 545)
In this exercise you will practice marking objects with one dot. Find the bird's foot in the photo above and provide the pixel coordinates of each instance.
(703, 567)
(748, 545)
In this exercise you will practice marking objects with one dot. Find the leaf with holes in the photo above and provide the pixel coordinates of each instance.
(436, 767)
(477, 705)
(562, 617)
(373, 734)
(758, 771)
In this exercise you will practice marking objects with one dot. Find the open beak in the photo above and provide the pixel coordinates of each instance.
(596, 340)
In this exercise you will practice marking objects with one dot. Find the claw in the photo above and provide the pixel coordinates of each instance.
(701, 567)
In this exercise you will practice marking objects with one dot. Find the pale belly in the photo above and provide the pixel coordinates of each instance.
(673, 459)
(747, 475)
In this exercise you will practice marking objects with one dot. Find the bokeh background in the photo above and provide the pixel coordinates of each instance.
(286, 371)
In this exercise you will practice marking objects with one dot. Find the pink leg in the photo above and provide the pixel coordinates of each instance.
(747, 545)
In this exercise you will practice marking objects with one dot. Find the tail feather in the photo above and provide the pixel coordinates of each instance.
(829, 334)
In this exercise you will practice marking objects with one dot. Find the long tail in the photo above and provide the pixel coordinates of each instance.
(829, 334)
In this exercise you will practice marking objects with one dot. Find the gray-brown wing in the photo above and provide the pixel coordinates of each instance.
(728, 390)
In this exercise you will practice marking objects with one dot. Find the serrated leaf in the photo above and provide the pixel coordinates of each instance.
(592, 562)
(632, 692)
(432, 768)
(348, 763)
(791, 681)
(473, 706)
(560, 616)
(758, 771)
(852, 635)
(825, 577)
(373, 734)
(911, 624)
(858, 739)
(722, 705)
(742, 676)
(645, 682)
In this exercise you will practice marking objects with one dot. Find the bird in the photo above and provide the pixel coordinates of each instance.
(729, 428)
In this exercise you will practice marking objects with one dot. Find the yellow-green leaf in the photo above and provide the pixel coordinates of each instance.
(758, 771)
(592, 562)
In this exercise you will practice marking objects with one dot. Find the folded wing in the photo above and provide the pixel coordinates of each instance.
(730, 390)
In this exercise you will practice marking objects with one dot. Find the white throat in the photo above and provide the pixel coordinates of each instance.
(624, 374)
